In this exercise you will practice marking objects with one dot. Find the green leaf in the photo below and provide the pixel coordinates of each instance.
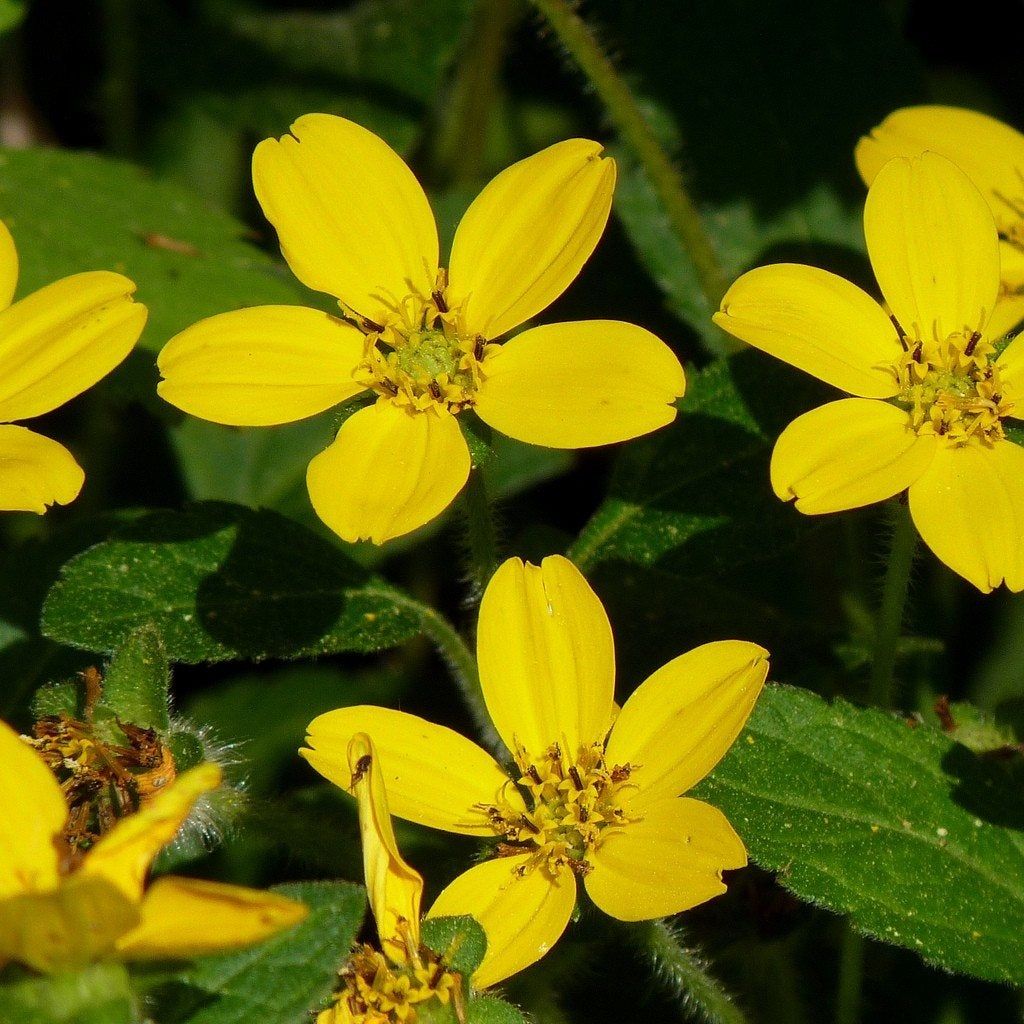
(492, 1010)
(136, 684)
(11, 13)
(285, 979)
(222, 582)
(459, 940)
(99, 994)
(919, 840)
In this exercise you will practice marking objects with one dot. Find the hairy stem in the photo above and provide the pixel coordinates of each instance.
(481, 529)
(851, 976)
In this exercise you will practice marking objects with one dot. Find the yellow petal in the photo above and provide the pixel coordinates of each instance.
(261, 366)
(817, 322)
(989, 152)
(352, 218)
(187, 917)
(847, 454)
(395, 889)
(521, 917)
(62, 339)
(582, 384)
(388, 472)
(1011, 370)
(32, 818)
(124, 854)
(933, 246)
(35, 472)
(527, 235)
(969, 509)
(680, 722)
(65, 928)
(1007, 317)
(432, 775)
(8, 267)
(670, 861)
(546, 656)
(1011, 268)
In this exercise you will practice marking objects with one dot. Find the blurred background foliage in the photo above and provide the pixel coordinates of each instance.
(761, 104)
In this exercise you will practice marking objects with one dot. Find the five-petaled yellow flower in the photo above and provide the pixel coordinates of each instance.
(354, 222)
(54, 344)
(386, 986)
(591, 794)
(931, 392)
(991, 154)
(60, 912)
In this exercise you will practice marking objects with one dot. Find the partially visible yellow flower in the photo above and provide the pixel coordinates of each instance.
(586, 798)
(354, 222)
(54, 344)
(385, 986)
(991, 154)
(58, 912)
(932, 394)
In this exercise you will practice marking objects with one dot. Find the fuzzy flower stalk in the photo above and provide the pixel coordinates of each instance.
(424, 341)
(589, 795)
(932, 393)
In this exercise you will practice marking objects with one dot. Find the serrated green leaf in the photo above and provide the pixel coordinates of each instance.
(919, 840)
(694, 498)
(99, 994)
(285, 979)
(220, 582)
(459, 940)
(136, 684)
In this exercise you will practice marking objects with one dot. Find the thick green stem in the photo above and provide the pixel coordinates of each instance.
(851, 976)
(481, 530)
(628, 119)
(700, 993)
(890, 613)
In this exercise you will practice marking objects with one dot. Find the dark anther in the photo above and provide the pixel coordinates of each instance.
(525, 822)
(899, 330)
(439, 301)
(972, 343)
(534, 775)
(574, 774)
(435, 391)
(372, 325)
(389, 385)
(917, 353)
(362, 767)
(584, 815)
(942, 428)
(478, 347)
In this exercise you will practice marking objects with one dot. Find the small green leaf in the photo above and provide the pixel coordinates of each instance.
(480, 439)
(99, 994)
(459, 940)
(915, 837)
(492, 1010)
(137, 681)
(221, 582)
(284, 980)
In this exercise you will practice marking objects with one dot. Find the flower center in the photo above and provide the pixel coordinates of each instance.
(571, 803)
(376, 991)
(953, 388)
(421, 358)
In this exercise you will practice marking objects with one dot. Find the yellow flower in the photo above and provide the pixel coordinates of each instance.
(991, 154)
(385, 986)
(58, 914)
(54, 344)
(354, 222)
(932, 394)
(580, 801)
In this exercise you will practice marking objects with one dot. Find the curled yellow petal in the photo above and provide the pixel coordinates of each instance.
(933, 246)
(395, 889)
(818, 322)
(388, 472)
(522, 917)
(969, 509)
(65, 928)
(124, 854)
(576, 385)
(8, 267)
(847, 454)
(432, 775)
(546, 655)
(679, 723)
(32, 818)
(1007, 316)
(187, 917)
(35, 472)
(62, 339)
(352, 218)
(527, 235)
(261, 366)
(666, 863)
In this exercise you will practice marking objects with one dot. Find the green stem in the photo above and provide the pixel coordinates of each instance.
(120, 113)
(628, 119)
(851, 976)
(481, 530)
(894, 598)
(700, 993)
